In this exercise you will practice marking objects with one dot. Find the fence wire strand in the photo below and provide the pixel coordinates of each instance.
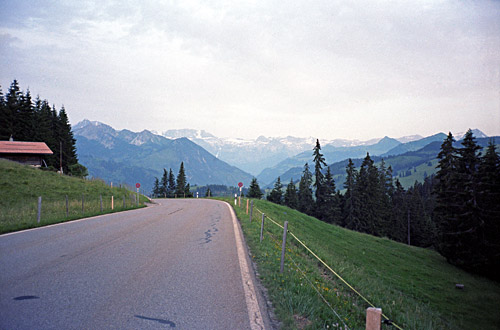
(330, 269)
(304, 275)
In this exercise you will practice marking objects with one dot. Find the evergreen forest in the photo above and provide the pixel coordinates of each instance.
(456, 211)
(25, 119)
(170, 187)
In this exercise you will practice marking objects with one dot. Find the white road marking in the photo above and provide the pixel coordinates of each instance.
(256, 321)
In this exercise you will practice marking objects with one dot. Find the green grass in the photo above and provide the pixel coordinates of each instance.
(415, 287)
(22, 185)
(423, 170)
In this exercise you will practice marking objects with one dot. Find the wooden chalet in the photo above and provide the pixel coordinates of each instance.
(29, 153)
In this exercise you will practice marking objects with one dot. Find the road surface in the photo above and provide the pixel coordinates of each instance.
(172, 265)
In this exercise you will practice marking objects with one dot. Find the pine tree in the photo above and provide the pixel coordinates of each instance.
(181, 182)
(444, 213)
(319, 182)
(306, 201)
(13, 101)
(187, 191)
(3, 114)
(467, 169)
(2, 108)
(254, 190)
(330, 209)
(386, 189)
(399, 214)
(163, 188)
(25, 119)
(290, 199)
(488, 198)
(69, 156)
(428, 196)
(44, 132)
(367, 187)
(350, 216)
(52, 138)
(421, 226)
(170, 191)
(468, 227)
(276, 195)
(156, 188)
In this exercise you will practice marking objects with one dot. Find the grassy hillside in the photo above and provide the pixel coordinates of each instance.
(22, 185)
(415, 287)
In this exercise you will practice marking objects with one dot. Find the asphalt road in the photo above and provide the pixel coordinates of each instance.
(172, 265)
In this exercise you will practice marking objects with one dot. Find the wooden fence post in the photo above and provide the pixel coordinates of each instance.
(247, 204)
(262, 227)
(67, 206)
(112, 202)
(39, 213)
(373, 318)
(251, 211)
(283, 247)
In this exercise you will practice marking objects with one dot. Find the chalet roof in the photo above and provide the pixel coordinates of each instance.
(17, 147)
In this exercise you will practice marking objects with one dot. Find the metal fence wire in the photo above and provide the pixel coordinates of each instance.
(46, 210)
(386, 321)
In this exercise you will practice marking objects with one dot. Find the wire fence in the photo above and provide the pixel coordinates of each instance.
(42, 210)
(386, 321)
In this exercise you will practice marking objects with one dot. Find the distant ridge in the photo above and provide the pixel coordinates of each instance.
(332, 154)
(129, 157)
(408, 167)
(264, 157)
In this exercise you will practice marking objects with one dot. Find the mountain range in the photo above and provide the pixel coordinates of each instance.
(409, 163)
(256, 155)
(123, 156)
(333, 153)
(128, 157)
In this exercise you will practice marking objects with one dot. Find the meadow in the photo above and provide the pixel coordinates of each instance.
(415, 287)
(64, 198)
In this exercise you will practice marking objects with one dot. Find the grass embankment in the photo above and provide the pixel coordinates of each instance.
(415, 287)
(22, 185)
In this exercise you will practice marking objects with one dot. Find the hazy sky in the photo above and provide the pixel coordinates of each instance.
(327, 69)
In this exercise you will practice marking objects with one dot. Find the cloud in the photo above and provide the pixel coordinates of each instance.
(213, 64)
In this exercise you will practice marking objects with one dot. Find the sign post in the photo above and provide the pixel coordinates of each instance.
(137, 185)
(240, 184)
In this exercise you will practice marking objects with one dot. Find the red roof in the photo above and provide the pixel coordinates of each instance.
(15, 147)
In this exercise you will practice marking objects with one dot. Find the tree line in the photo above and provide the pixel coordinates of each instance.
(170, 187)
(467, 212)
(457, 211)
(25, 119)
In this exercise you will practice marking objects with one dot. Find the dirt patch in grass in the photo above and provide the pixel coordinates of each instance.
(301, 322)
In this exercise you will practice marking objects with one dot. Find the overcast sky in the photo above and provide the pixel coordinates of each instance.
(327, 69)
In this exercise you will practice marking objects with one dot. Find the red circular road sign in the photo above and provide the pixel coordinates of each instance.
(137, 185)
(240, 184)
